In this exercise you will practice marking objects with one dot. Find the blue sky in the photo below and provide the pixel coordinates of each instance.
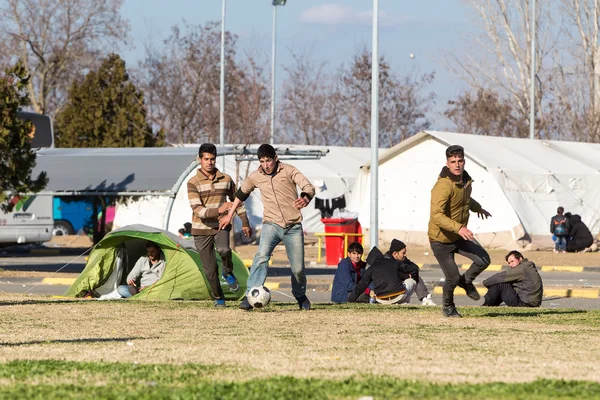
(333, 29)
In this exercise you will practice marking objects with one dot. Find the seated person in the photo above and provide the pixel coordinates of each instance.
(147, 269)
(520, 286)
(559, 227)
(390, 284)
(581, 237)
(398, 252)
(348, 274)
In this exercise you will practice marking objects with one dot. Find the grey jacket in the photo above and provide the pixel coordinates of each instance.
(149, 273)
(525, 279)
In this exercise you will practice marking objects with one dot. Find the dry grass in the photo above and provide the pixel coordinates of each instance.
(328, 342)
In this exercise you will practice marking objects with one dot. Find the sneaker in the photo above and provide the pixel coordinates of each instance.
(450, 312)
(244, 305)
(585, 250)
(304, 303)
(555, 251)
(220, 303)
(470, 289)
(234, 286)
(427, 301)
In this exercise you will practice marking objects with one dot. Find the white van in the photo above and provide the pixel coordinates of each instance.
(29, 222)
(31, 219)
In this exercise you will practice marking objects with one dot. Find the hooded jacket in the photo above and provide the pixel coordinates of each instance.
(385, 274)
(450, 205)
(406, 266)
(524, 278)
(579, 232)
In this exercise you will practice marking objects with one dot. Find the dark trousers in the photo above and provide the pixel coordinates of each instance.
(205, 244)
(444, 253)
(421, 289)
(578, 245)
(503, 292)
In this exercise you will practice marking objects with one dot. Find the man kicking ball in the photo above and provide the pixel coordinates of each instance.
(448, 233)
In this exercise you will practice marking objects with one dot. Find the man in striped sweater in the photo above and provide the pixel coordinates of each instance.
(208, 192)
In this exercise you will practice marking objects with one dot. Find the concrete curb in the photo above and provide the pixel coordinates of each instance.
(548, 292)
(545, 268)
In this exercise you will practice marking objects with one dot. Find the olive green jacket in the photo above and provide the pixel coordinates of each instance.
(450, 204)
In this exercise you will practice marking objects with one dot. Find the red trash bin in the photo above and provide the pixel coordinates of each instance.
(334, 245)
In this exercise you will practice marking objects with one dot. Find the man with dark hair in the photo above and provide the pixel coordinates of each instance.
(448, 233)
(520, 286)
(390, 284)
(282, 219)
(208, 191)
(148, 269)
(348, 275)
(398, 252)
(559, 227)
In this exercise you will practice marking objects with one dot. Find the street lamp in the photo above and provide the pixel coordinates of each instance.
(222, 86)
(374, 234)
(275, 4)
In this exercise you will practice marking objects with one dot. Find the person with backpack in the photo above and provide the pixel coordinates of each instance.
(559, 227)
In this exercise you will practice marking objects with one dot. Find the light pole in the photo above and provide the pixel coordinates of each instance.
(222, 86)
(275, 4)
(374, 236)
(532, 94)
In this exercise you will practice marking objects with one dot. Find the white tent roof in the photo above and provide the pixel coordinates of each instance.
(534, 177)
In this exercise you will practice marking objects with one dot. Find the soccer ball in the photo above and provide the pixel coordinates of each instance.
(259, 296)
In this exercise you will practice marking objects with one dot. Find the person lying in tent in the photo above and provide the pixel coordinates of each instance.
(147, 270)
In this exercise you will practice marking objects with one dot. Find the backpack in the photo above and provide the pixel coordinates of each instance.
(560, 229)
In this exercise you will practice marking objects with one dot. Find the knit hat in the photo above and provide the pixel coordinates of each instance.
(397, 245)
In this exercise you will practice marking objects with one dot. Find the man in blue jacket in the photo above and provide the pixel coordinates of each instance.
(348, 274)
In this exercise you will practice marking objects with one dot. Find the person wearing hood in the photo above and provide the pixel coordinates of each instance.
(520, 286)
(390, 284)
(581, 237)
(398, 252)
(448, 234)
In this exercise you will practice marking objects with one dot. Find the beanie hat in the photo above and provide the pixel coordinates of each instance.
(397, 245)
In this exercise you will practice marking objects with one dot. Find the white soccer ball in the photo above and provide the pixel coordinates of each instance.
(259, 296)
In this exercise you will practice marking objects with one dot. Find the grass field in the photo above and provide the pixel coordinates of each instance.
(52, 349)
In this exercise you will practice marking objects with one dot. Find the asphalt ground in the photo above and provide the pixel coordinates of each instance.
(563, 288)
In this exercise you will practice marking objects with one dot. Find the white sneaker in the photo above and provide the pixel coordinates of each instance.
(427, 301)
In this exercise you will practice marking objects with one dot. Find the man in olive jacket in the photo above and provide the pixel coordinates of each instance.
(448, 233)
(521, 286)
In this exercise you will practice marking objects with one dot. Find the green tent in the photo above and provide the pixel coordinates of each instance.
(115, 255)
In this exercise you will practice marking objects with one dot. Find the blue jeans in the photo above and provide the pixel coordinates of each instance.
(124, 290)
(293, 240)
(560, 243)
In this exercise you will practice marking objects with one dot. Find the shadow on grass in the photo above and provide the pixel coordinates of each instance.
(83, 340)
(38, 302)
(531, 313)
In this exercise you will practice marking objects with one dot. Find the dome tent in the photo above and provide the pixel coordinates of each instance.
(183, 278)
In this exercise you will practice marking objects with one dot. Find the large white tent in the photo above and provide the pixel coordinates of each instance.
(333, 175)
(521, 182)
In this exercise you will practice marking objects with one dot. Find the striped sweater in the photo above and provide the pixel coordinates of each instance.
(206, 195)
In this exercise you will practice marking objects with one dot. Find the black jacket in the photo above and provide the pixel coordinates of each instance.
(580, 234)
(386, 275)
(406, 266)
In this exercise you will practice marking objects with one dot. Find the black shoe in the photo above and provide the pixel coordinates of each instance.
(450, 312)
(244, 305)
(304, 303)
(471, 290)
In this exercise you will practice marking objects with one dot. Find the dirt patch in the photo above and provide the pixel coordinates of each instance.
(328, 342)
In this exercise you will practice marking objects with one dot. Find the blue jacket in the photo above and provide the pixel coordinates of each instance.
(344, 280)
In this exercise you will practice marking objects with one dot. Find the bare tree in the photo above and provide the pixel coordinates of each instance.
(311, 105)
(402, 106)
(58, 40)
(501, 58)
(181, 81)
(575, 106)
(485, 113)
